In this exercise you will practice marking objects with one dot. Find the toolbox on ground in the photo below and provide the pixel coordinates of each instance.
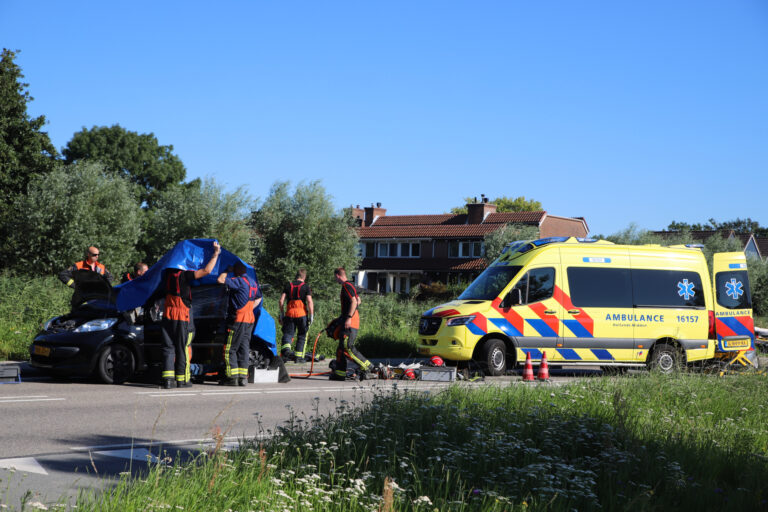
(262, 375)
(10, 374)
(438, 373)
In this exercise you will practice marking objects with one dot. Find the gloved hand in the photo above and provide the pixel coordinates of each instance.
(310, 320)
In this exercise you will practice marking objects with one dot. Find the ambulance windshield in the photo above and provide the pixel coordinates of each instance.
(490, 283)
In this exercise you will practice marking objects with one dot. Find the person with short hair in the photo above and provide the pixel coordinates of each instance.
(177, 335)
(139, 269)
(244, 296)
(67, 276)
(346, 332)
(298, 316)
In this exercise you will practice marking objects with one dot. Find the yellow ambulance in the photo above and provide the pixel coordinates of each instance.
(592, 302)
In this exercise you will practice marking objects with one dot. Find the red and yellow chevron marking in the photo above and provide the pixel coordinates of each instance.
(581, 317)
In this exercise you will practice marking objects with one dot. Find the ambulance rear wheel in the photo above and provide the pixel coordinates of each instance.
(665, 358)
(494, 357)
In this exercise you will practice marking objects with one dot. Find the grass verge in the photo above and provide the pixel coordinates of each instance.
(651, 442)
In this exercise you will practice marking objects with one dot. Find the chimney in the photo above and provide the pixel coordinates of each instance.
(476, 212)
(357, 213)
(372, 213)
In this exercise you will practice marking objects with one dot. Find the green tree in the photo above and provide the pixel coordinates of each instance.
(497, 240)
(739, 225)
(138, 157)
(68, 210)
(504, 204)
(303, 230)
(198, 211)
(25, 150)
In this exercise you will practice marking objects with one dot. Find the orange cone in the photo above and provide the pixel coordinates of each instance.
(528, 372)
(543, 368)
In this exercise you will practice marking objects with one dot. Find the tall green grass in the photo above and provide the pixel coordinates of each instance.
(25, 303)
(652, 442)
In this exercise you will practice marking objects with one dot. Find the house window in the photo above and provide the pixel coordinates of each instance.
(399, 250)
(466, 249)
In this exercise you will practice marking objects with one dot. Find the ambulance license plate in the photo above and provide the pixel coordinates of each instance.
(41, 351)
(737, 344)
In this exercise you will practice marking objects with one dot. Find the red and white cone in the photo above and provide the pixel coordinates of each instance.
(543, 368)
(528, 371)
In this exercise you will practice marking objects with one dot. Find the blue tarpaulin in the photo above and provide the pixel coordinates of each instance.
(193, 255)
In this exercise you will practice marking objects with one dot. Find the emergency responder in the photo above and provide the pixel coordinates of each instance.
(346, 332)
(67, 276)
(138, 270)
(295, 319)
(244, 296)
(177, 336)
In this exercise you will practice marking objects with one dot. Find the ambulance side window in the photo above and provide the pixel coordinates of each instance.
(667, 288)
(537, 285)
(600, 287)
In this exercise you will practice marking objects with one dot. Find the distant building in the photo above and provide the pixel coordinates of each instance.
(401, 251)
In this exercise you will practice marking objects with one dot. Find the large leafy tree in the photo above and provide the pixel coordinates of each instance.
(497, 240)
(68, 210)
(198, 211)
(303, 230)
(25, 150)
(505, 204)
(744, 226)
(138, 157)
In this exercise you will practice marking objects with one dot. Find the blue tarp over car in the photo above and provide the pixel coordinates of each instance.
(192, 255)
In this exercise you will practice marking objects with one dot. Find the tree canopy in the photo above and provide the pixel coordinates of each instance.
(741, 226)
(504, 204)
(138, 157)
(303, 230)
(497, 240)
(25, 150)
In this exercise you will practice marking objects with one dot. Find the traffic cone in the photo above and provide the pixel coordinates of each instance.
(543, 368)
(528, 372)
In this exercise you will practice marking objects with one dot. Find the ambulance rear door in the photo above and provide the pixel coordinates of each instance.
(734, 325)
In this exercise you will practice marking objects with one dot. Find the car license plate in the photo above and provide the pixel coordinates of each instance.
(42, 351)
(423, 350)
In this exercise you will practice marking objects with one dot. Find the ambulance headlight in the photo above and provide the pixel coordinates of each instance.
(96, 325)
(459, 320)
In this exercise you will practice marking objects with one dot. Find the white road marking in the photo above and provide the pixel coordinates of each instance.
(141, 454)
(154, 443)
(23, 464)
(11, 400)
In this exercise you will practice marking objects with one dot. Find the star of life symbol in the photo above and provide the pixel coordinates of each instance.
(734, 289)
(685, 289)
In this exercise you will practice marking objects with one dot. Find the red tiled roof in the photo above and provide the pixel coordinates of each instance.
(460, 231)
(426, 264)
(420, 220)
(515, 217)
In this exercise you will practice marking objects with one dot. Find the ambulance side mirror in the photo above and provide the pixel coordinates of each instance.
(513, 298)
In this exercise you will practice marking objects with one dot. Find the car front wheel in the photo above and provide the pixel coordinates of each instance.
(494, 357)
(115, 364)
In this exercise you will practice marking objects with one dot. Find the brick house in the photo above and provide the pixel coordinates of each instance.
(400, 251)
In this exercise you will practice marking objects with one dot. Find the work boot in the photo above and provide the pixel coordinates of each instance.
(167, 384)
(184, 384)
(242, 381)
(288, 355)
(228, 381)
(333, 376)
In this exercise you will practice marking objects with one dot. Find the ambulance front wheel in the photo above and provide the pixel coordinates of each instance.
(665, 358)
(494, 357)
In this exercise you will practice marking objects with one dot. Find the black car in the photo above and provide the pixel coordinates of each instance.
(96, 339)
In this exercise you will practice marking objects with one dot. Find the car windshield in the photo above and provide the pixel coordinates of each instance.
(489, 284)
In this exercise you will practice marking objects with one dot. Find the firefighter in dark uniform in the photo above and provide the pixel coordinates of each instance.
(346, 332)
(67, 276)
(139, 269)
(177, 336)
(244, 296)
(295, 319)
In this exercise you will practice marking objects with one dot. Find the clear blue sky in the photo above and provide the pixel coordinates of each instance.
(644, 112)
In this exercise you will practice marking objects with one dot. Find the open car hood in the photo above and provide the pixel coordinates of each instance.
(92, 287)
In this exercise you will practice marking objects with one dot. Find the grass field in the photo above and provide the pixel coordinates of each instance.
(649, 442)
